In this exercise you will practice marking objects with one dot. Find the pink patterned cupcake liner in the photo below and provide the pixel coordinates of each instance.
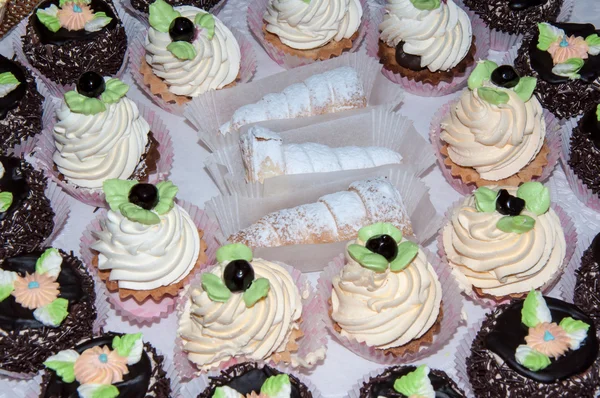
(45, 149)
(463, 351)
(553, 141)
(451, 319)
(255, 12)
(311, 346)
(150, 311)
(570, 233)
(569, 279)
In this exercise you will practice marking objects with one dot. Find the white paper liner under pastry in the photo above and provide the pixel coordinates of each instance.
(374, 126)
(137, 53)
(451, 319)
(235, 212)
(150, 311)
(312, 345)
(568, 228)
(45, 148)
(569, 280)
(209, 111)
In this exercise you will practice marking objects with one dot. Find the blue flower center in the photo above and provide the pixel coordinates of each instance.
(76, 8)
(103, 358)
(548, 336)
(33, 285)
(564, 42)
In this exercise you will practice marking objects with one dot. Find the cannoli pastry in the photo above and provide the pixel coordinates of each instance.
(330, 92)
(336, 217)
(265, 156)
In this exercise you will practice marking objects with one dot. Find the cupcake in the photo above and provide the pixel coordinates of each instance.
(583, 150)
(587, 289)
(410, 381)
(537, 347)
(495, 133)
(26, 215)
(188, 52)
(242, 308)
(46, 305)
(426, 41)
(144, 5)
(316, 30)
(565, 60)
(20, 105)
(502, 242)
(388, 295)
(66, 38)
(109, 365)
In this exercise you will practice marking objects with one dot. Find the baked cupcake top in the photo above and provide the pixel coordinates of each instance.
(503, 240)
(585, 147)
(99, 134)
(429, 34)
(497, 127)
(190, 49)
(388, 293)
(306, 25)
(146, 240)
(243, 307)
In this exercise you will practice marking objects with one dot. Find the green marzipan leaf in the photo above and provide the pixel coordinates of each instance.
(215, 288)
(569, 68)
(182, 50)
(598, 112)
(546, 37)
(106, 391)
(49, 21)
(380, 228)
(117, 192)
(493, 96)
(415, 383)
(124, 344)
(425, 4)
(536, 361)
(407, 251)
(571, 325)
(526, 87)
(83, 105)
(8, 78)
(485, 200)
(366, 258)
(536, 197)
(47, 257)
(115, 90)
(273, 385)
(166, 197)
(5, 291)
(517, 224)
(64, 370)
(161, 15)
(258, 290)
(206, 21)
(593, 42)
(482, 72)
(6, 199)
(234, 251)
(137, 214)
(57, 310)
(529, 311)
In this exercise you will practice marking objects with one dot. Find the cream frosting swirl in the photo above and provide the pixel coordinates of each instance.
(387, 309)
(213, 332)
(146, 257)
(308, 25)
(217, 61)
(91, 149)
(441, 37)
(497, 141)
(502, 263)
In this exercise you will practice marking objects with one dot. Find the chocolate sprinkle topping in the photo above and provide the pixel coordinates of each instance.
(143, 5)
(584, 155)
(587, 287)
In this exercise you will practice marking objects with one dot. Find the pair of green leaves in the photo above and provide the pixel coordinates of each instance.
(483, 73)
(77, 103)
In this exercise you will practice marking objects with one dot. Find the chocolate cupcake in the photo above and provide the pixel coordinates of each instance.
(537, 347)
(26, 216)
(409, 381)
(110, 365)
(565, 59)
(20, 105)
(585, 148)
(587, 288)
(65, 38)
(207, 5)
(46, 305)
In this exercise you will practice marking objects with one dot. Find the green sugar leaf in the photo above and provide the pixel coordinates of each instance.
(49, 19)
(531, 359)
(366, 258)
(115, 90)
(182, 50)
(161, 15)
(569, 68)
(536, 197)
(485, 200)
(380, 228)
(63, 364)
(126, 344)
(6, 200)
(166, 197)
(206, 21)
(234, 251)
(258, 290)
(49, 262)
(52, 314)
(78, 103)
(407, 251)
(117, 192)
(481, 73)
(548, 35)
(215, 288)
(137, 214)
(516, 224)
(593, 42)
(492, 95)
(526, 87)
(8, 78)
(426, 4)
(415, 383)
(274, 386)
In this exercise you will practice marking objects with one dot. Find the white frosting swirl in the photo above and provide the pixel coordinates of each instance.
(213, 332)
(308, 25)
(146, 257)
(217, 61)
(502, 263)
(441, 37)
(94, 148)
(388, 309)
(497, 141)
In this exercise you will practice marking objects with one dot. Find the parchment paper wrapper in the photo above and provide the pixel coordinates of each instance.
(569, 279)
(256, 10)
(150, 311)
(137, 53)
(45, 148)
(488, 302)
(553, 141)
(374, 126)
(312, 345)
(480, 32)
(143, 17)
(209, 111)
(451, 305)
(234, 212)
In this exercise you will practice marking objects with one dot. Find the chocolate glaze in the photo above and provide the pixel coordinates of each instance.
(143, 5)
(510, 332)
(587, 286)
(520, 5)
(409, 61)
(383, 384)
(12, 99)
(13, 181)
(584, 151)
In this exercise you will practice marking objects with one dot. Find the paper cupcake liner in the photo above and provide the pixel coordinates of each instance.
(553, 141)
(150, 311)
(57, 90)
(570, 233)
(143, 17)
(311, 346)
(209, 111)
(463, 351)
(375, 126)
(45, 148)
(569, 279)
(137, 53)
(480, 32)
(451, 319)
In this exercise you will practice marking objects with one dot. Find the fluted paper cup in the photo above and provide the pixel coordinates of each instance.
(569, 279)
(45, 148)
(142, 17)
(553, 141)
(312, 346)
(150, 311)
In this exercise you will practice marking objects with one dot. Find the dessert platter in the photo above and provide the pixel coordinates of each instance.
(299, 198)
